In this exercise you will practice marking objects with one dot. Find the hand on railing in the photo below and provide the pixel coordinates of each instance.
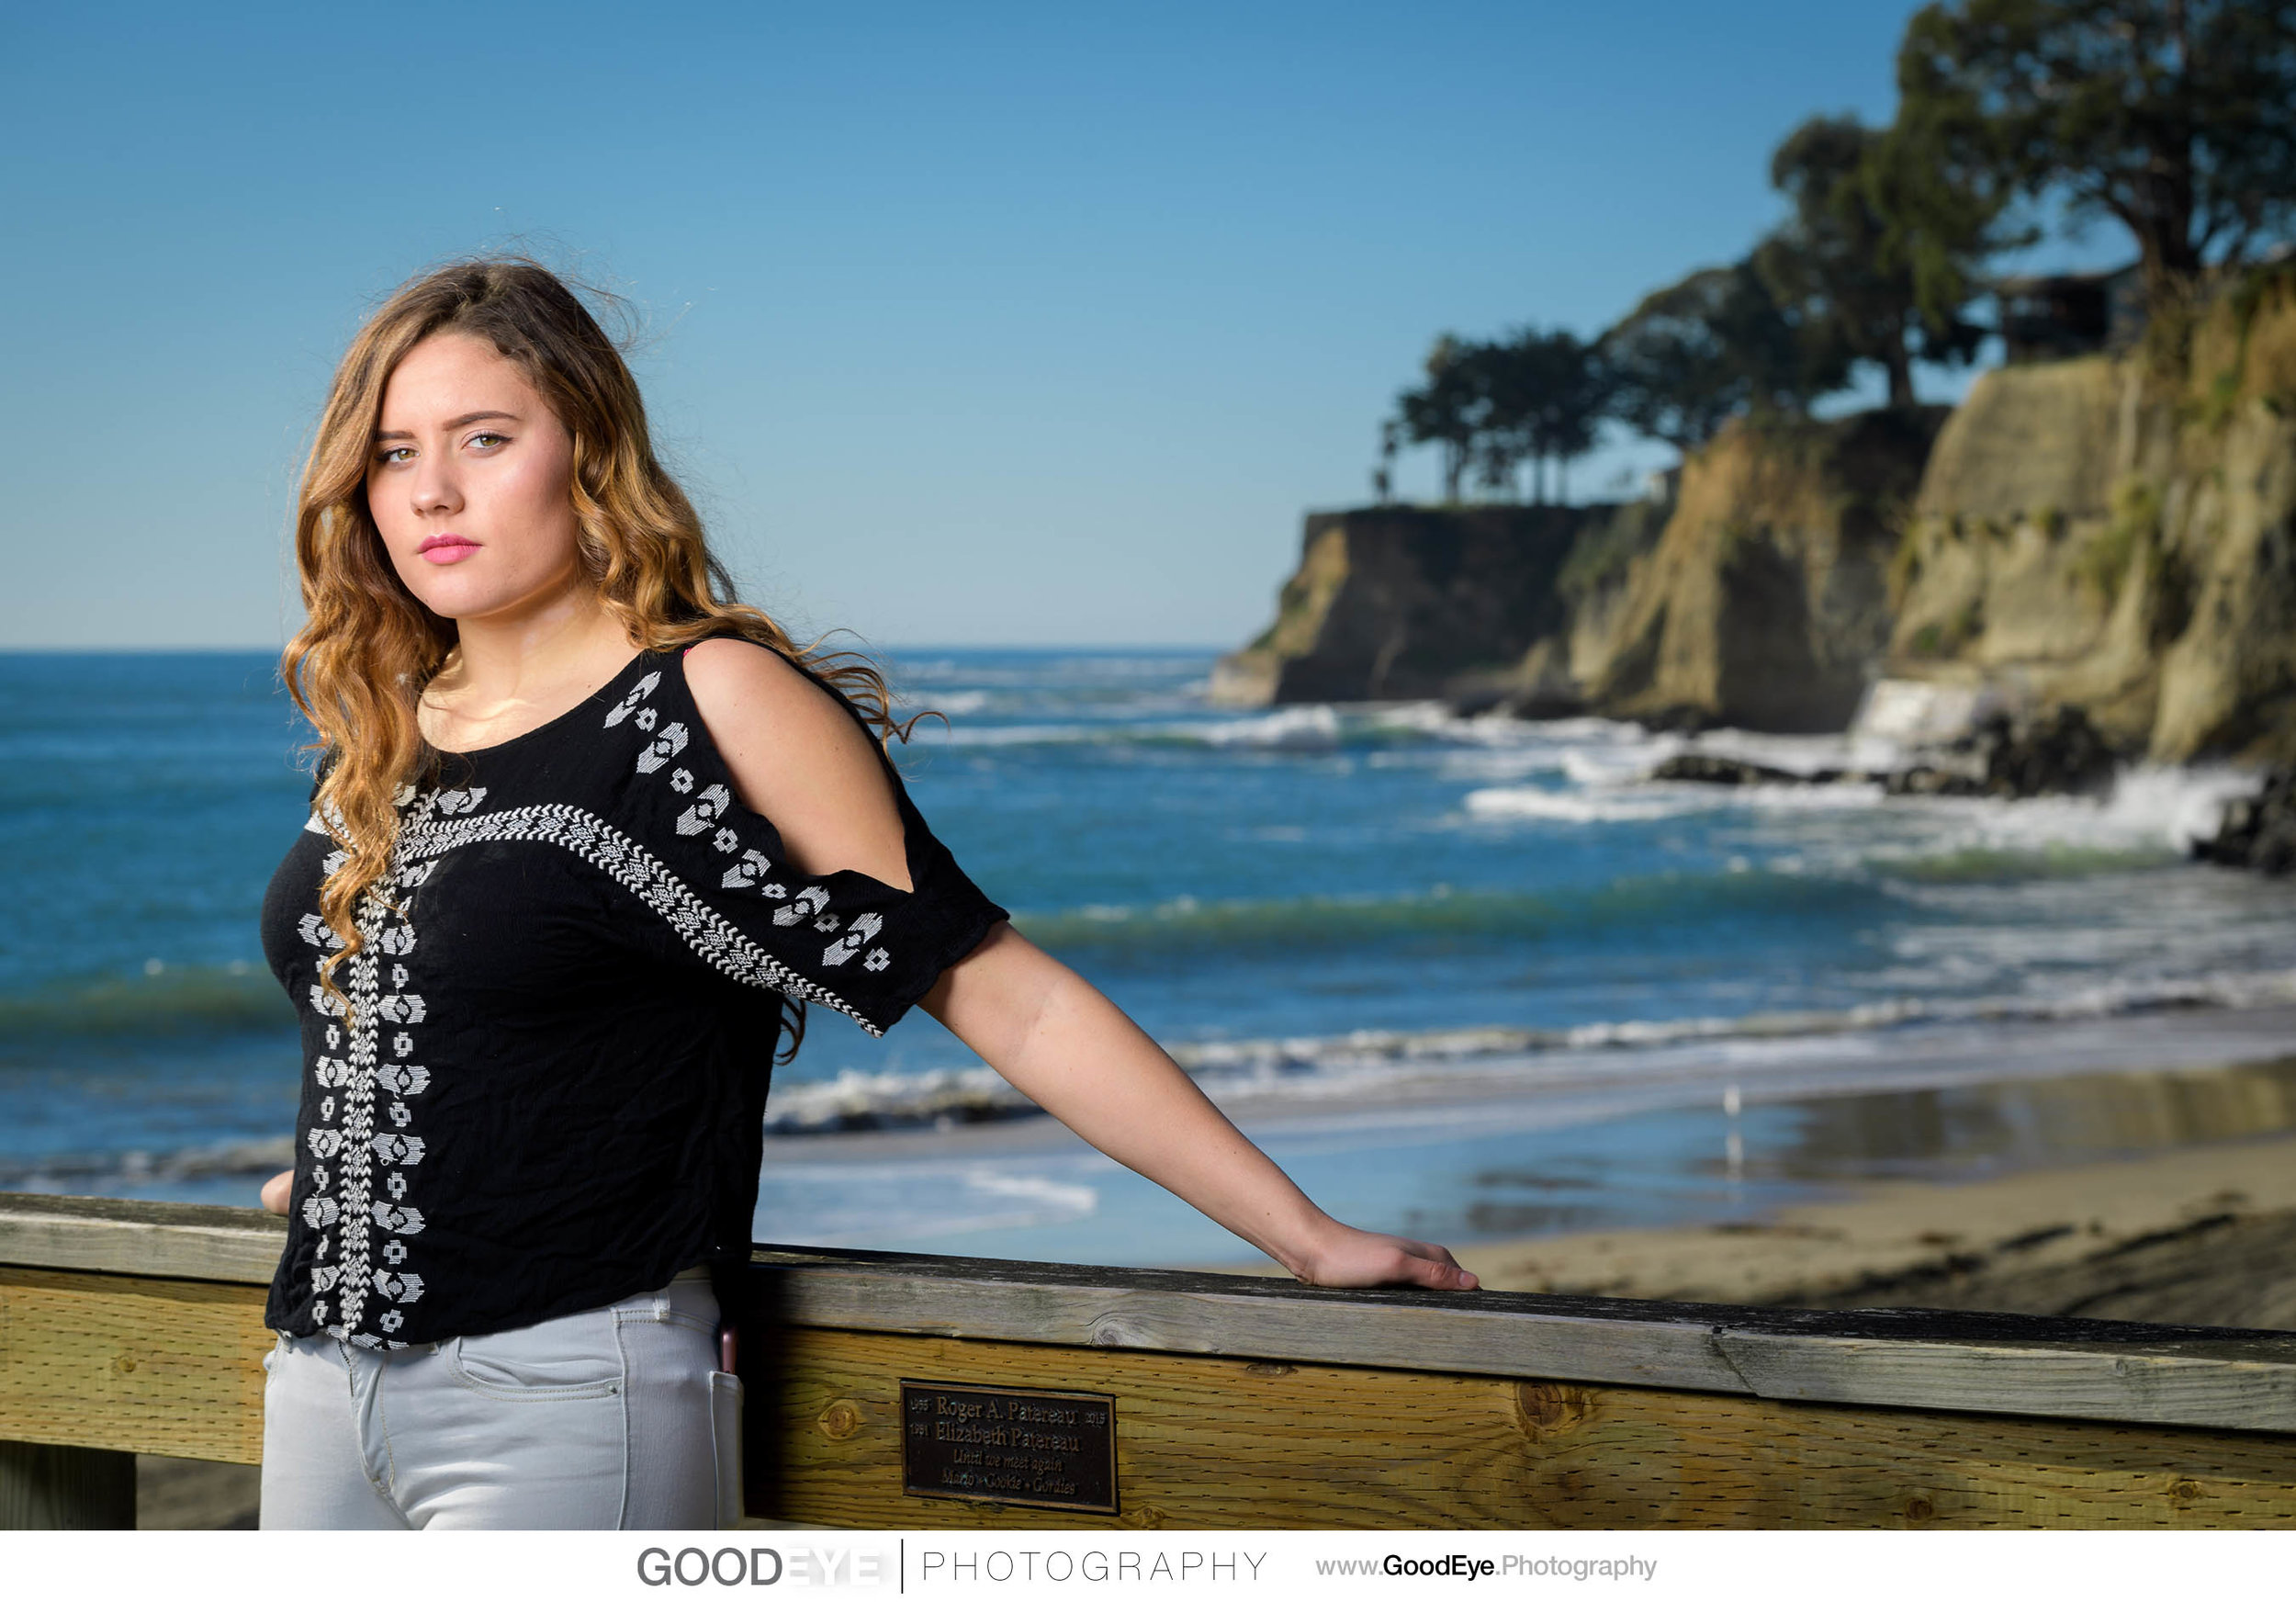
(275, 1193)
(1355, 1258)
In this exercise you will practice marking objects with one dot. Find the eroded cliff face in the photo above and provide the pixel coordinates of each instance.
(1765, 603)
(2088, 534)
(1396, 603)
(2094, 533)
(1756, 594)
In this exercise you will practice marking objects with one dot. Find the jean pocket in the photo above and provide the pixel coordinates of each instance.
(725, 1441)
(567, 1359)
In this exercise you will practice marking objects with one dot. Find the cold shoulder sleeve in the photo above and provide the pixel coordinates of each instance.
(718, 875)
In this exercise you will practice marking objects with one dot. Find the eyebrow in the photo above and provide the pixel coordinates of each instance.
(467, 418)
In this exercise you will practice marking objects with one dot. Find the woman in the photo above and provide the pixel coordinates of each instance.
(587, 837)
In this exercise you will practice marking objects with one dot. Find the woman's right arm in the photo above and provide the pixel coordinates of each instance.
(275, 1193)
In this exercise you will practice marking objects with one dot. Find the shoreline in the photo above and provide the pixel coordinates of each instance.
(1509, 1150)
(2202, 1234)
(1602, 1081)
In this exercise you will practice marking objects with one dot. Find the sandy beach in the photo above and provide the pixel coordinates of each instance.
(2202, 1235)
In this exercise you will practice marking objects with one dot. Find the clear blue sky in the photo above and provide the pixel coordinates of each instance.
(966, 324)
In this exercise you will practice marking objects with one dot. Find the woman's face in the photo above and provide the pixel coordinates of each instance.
(471, 483)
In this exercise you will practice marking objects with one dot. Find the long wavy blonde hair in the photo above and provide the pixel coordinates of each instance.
(361, 662)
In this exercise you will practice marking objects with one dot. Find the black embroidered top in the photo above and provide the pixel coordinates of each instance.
(549, 1091)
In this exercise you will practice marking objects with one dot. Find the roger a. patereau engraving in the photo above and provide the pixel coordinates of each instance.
(993, 1443)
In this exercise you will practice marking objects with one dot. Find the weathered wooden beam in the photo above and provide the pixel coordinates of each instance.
(1209, 1314)
(2235, 1386)
(65, 1487)
(163, 1239)
(1999, 1363)
(2108, 1371)
(1223, 1442)
(132, 1365)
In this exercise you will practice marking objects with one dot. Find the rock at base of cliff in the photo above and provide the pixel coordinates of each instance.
(1701, 768)
(2058, 753)
(2259, 831)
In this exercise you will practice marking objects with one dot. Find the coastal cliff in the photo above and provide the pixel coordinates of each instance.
(1765, 600)
(1395, 603)
(1754, 595)
(2094, 533)
(2112, 534)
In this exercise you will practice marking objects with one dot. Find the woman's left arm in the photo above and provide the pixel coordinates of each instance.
(797, 758)
(1070, 1050)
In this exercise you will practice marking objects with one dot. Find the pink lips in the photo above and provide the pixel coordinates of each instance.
(441, 550)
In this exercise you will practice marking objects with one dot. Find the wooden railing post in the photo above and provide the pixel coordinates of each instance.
(66, 1487)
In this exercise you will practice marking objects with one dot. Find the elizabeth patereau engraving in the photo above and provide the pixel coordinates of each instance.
(1054, 1448)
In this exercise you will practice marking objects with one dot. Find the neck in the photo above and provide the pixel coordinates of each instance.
(546, 641)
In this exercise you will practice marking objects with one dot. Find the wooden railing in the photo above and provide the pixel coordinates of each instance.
(1238, 1402)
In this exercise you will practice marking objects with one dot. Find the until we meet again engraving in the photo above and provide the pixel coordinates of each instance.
(1054, 1448)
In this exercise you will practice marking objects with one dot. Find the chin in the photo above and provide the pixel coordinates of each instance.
(455, 601)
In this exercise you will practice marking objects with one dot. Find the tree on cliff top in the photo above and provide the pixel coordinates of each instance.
(1545, 396)
(2177, 118)
(1447, 409)
(1495, 405)
(1847, 259)
(1696, 353)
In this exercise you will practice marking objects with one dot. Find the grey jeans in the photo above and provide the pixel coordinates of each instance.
(612, 1418)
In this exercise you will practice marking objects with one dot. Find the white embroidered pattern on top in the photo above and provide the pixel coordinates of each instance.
(628, 704)
(589, 837)
(341, 1207)
(707, 815)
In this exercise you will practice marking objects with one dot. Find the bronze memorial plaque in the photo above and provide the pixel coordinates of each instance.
(993, 1443)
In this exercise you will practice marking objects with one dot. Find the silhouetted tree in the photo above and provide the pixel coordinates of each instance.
(1446, 409)
(1544, 395)
(1844, 265)
(1695, 354)
(2177, 118)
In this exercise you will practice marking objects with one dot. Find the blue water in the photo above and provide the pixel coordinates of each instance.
(1286, 898)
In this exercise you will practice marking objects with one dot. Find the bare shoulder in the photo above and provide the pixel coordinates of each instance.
(745, 686)
(799, 760)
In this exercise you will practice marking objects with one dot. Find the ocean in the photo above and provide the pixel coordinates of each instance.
(1466, 977)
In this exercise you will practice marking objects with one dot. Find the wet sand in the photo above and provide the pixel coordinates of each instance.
(2200, 1234)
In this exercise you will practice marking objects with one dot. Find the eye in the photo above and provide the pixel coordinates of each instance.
(392, 454)
(489, 441)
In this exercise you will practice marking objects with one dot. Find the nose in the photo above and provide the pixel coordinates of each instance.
(435, 491)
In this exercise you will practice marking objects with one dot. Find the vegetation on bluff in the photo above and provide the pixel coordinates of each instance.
(2113, 533)
(2174, 119)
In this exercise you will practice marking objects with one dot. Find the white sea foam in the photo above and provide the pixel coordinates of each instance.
(844, 1201)
(1641, 803)
(1584, 805)
(1051, 1196)
(1327, 1069)
(2154, 811)
(942, 1096)
(1292, 727)
(1321, 727)
(1010, 734)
